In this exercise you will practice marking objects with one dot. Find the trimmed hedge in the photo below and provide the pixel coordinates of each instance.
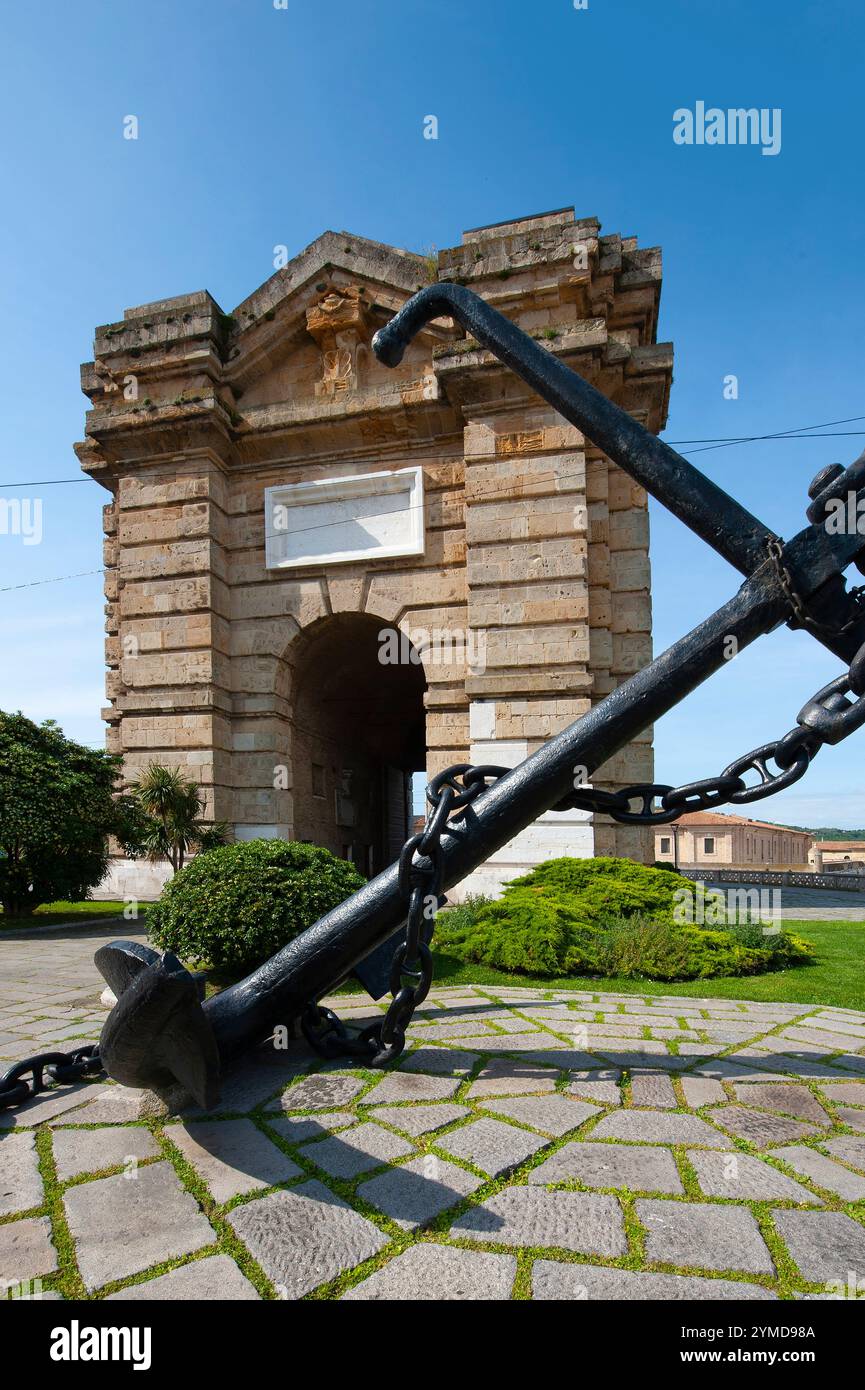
(606, 917)
(234, 906)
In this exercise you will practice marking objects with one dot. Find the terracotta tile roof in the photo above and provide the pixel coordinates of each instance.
(840, 846)
(726, 822)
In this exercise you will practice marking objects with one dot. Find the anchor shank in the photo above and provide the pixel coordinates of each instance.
(703, 506)
(323, 955)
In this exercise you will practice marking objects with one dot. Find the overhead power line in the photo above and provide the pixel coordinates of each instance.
(718, 443)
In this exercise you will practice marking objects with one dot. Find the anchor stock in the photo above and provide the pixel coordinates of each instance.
(160, 1031)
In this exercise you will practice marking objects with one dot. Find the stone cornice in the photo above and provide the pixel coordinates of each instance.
(191, 364)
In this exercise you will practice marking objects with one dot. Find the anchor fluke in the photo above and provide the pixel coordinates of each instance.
(157, 1034)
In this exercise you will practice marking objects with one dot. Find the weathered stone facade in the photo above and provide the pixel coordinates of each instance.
(717, 839)
(254, 660)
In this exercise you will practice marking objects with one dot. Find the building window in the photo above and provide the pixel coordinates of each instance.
(317, 779)
(709, 844)
(665, 844)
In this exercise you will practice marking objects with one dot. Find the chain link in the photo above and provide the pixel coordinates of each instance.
(828, 717)
(62, 1067)
(801, 615)
(420, 880)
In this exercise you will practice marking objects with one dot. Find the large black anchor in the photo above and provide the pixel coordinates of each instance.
(160, 1031)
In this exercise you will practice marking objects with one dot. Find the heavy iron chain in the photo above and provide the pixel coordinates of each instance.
(63, 1067)
(420, 880)
(828, 717)
(800, 613)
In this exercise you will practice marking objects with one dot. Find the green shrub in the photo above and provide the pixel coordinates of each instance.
(463, 914)
(662, 864)
(606, 886)
(237, 904)
(608, 917)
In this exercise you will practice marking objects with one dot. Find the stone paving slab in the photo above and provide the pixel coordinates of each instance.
(419, 1119)
(823, 1171)
(440, 1061)
(552, 1115)
(52, 1103)
(825, 1245)
(659, 1127)
(702, 1090)
(401, 1086)
(214, 1277)
(759, 1127)
(323, 1092)
(79, 1151)
(357, 1150)
(305, 1237)
(585, 1222)
(20, 1182)
(739, 1176)
(653, 1089)
(297, 1129)
(123, 1225)
(848, 1092)
(504, 1076)
(232, 1157)
(492, 1081)
(854, 1119)
(419, 1190)
(111, 1105)
(26, 1250)
(575, 1281)
(787, 1100)
(637, 1168)
(440, 1272)
(692, 1233)
(493, 1147)
(601, 1087)
(848, 1148)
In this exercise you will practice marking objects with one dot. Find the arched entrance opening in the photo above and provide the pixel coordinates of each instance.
(358, 735)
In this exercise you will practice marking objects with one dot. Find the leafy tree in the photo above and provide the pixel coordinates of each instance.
(165, 817)
(58, 805)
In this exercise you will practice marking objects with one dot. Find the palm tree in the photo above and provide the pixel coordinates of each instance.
(171, 824)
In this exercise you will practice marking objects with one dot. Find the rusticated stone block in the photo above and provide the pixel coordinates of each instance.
(529, 536)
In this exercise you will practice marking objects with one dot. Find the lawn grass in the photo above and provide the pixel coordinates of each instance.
(56, 914)
(837, 976)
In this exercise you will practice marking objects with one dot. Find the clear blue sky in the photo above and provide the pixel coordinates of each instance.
(261, 126)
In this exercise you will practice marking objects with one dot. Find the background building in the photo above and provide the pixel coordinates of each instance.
(702, 839)
(280, 502)
(839, 856)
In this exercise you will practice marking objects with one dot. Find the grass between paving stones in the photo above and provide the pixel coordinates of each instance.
(836, 977)
(787, 1282)
(67, 1280)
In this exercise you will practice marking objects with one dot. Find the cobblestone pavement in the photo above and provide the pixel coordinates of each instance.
(530, 1143)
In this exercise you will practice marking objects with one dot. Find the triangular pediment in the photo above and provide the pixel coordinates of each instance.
(285, 319)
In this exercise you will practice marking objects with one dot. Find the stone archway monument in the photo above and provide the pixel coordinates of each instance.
(323, 576)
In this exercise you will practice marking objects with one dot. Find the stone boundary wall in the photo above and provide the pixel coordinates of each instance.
(854, 883)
